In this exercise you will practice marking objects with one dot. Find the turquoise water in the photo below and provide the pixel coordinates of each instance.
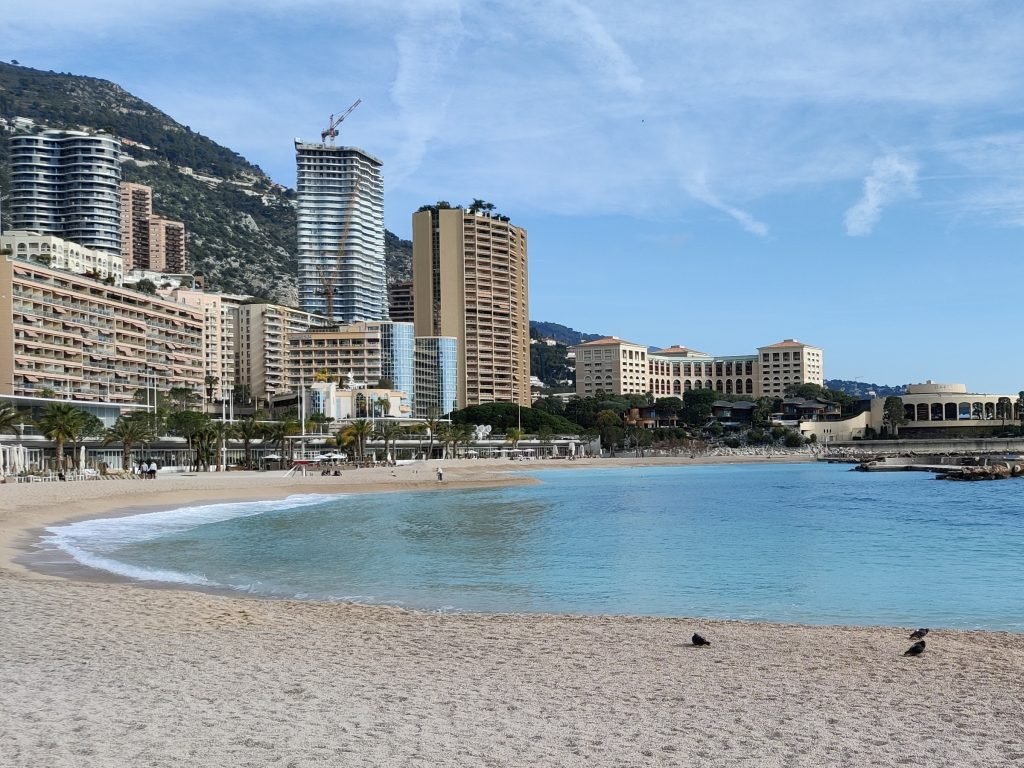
(804, 543)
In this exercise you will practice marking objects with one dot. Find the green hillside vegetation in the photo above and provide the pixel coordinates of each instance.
(563, 334)
(241, 231)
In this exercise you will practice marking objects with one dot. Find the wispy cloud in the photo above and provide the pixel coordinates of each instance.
(425, 75)
(699, 190)
(603, 52)
(574, 106)
(892, 179)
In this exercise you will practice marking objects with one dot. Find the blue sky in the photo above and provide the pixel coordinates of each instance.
(715, 174)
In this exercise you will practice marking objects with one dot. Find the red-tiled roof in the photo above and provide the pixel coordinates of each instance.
(788, 343)
(606, 341)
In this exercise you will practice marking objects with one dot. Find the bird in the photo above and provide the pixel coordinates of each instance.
(698, 640)
(916, 649)
(919, 634)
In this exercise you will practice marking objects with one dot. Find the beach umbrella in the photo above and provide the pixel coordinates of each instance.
(81, 458)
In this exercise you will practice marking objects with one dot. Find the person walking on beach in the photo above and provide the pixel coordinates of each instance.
(440, 475)
(152, 470)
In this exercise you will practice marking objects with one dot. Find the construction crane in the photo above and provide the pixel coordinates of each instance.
(327, 274)
(332, 128)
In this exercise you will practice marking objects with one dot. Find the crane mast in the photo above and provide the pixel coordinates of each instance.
(328, 275)
(328, 136)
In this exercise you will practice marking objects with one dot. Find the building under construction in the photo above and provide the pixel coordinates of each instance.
(340, 230)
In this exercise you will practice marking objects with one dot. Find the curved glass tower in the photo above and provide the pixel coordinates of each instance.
(340, 233)
(67, 183)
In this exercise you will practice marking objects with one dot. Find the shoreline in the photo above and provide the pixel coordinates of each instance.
(29, 508)
(108, 674)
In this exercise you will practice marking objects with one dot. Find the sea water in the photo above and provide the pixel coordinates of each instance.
(805, 543)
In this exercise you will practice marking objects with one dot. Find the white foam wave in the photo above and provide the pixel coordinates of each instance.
(90, 542)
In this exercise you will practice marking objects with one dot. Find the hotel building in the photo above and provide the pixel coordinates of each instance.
(612, 366)
(58, 253)
(81, 339)
(617, 367)
(66, 183)
(355, 355)
(340, 207)
(470, 282)
(261, 346)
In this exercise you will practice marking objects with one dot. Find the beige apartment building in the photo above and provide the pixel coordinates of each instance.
(220, 317)
(470, 282)
(136, 210)
(58, 253)
(79, 338)
(347, 354)
(166, 245)
(789, 362)
(261, 346)
(148, 241)
(614, 366)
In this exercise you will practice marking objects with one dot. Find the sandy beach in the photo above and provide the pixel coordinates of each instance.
(102, 673)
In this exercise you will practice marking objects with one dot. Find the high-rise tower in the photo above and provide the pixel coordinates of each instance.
(66, 183)
(470, 281)
(341, 233)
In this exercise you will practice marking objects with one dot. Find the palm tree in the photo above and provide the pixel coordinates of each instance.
(359, 431)
(210, 381)
(384, 404)
(389, 431)
(514, 435)
(343, 438)
(446, 436)
(128, 431)
(432, 424)
(275, 434)
(247, 430)
(61, 422)
(10, 419)
(463, 435)
(223, 432)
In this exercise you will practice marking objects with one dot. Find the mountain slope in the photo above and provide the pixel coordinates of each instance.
(241, 225)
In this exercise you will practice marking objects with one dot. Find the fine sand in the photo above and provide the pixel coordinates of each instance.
(96, 673)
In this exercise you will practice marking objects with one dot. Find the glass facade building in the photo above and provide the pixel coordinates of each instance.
(397, 356)
(437, 376)
(340, 210)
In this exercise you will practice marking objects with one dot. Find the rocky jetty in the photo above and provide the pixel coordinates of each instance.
(995, 471)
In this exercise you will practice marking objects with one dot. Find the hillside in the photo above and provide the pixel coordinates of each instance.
(563, 334)
(241, 225)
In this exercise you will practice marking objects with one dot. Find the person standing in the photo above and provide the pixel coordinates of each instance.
(440, 475)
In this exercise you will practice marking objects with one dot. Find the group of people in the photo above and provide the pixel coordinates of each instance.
(147, 471)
